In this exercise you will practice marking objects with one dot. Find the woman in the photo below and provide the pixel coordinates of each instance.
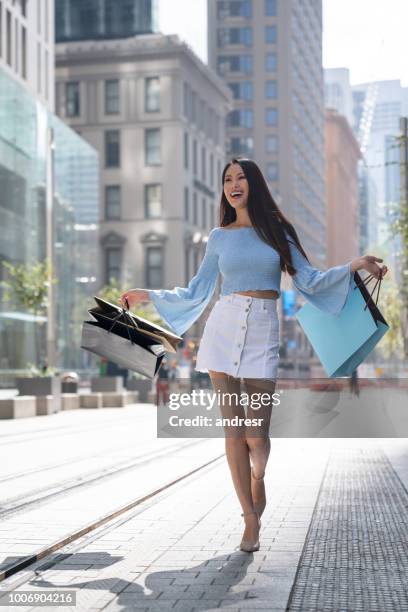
(253, 245)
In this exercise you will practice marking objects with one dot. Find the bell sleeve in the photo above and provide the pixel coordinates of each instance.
(180, 307)
(327, 290)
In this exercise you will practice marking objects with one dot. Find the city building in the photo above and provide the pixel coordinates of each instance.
(27, 46)
(269, 53)
(48, 177)
(156, 115)
(340, 97)
(378, 107)
(342, 190)
(338, 94)
(104, 19)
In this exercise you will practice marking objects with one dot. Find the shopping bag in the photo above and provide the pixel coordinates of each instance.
(343, 341)
(116, 334)
(163, 336)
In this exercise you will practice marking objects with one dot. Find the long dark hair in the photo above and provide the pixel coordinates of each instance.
(266, 217)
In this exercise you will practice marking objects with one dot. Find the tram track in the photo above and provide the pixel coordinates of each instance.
(65, 487)
(108, 520)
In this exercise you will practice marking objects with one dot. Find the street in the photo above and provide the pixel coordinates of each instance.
(333, 534)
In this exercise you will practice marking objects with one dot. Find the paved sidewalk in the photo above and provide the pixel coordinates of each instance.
(335, 529)
(182, 553)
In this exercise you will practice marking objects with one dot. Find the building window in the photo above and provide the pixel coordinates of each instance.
(46, 63)
(241, 146)
(193, 106)
(24, 52)
(186, 204)
(211, 170)
(152, 94)
(234, 36)
(46, 21)
(271, 116)
(234, 63)
(242, 90)
(112, 202)
(8, 37)
(186, 100)
(195, 157)
(270, 62)
(72, 99)
(39, 68)
(16, 46)
(154, 267)
(203, 164)
(152, 147)
(186, 160)
(113, 263)
(270, 89)
(187, 265)
(112, 149)
(153, 201)
(203, 213)
(234, 8)
(271, 144)
(270, 8)
(195, 209)
(112, 97)
(241, 118)
(272, 172)
(270, 34)
(39, 16)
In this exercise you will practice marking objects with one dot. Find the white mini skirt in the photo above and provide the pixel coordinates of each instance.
(241, 338)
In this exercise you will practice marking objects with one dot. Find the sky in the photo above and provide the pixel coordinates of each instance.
(367, 36)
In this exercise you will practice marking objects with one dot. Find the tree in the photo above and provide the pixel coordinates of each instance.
(392, 343)
(399, 226)
(27, 288)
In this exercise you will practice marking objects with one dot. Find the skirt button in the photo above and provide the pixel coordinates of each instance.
(246, 309)
(235, 362)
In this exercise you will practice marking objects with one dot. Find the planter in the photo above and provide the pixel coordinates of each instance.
(39, 385)
(110, 384)
(141, 385)
(69, 387)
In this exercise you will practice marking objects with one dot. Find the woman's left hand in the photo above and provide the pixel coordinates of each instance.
(369, 263)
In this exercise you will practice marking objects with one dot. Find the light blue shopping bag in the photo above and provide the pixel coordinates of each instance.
(343, 341)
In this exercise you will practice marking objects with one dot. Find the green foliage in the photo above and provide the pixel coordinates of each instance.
(392, 343)
(27, 286)
(35, 372)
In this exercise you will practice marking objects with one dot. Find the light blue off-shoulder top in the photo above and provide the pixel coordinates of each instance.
(246, 263)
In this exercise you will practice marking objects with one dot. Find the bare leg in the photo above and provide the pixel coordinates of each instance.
(236, 447)
(260, 391)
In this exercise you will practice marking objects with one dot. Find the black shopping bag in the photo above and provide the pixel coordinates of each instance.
(126, 339)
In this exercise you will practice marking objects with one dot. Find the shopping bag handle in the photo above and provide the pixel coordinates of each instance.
(369, 278)
(124, 313)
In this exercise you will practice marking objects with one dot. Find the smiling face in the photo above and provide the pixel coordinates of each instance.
(236, 188)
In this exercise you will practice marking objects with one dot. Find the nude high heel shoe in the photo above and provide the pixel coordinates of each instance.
(247, 545)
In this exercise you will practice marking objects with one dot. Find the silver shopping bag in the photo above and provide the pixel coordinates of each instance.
(120, 341)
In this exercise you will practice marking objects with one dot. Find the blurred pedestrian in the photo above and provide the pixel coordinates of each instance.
(354, 388)
(162, 383)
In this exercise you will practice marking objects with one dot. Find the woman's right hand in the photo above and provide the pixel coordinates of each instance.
(132, 297)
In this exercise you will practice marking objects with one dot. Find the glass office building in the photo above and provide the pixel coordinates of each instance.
(102, 19)
(24, 124)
